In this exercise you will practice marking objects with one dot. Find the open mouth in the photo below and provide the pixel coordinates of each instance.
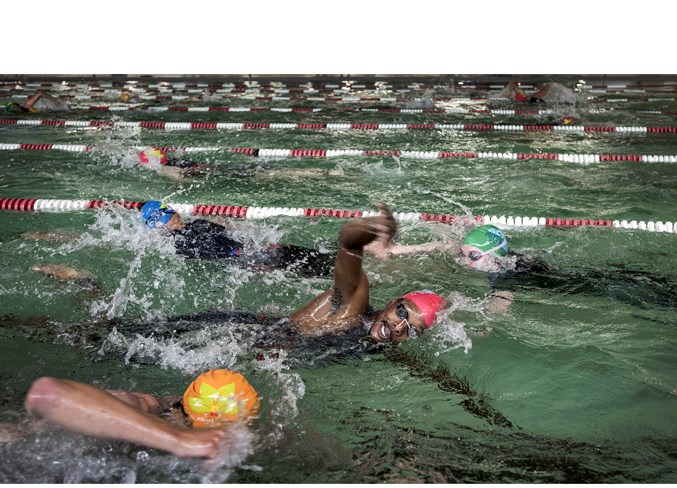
(381, 332)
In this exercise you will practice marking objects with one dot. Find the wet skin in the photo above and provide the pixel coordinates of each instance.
(391, 326)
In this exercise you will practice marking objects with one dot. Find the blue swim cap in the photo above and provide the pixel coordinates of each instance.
(155, 214)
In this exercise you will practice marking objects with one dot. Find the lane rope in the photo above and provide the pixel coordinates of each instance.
(184, 108)
(252, 212)
(454, 110)
(331, 153)
(337, 99)
(169, 126)
(319, 86)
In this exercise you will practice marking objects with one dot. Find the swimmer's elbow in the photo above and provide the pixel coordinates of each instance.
(43, 395)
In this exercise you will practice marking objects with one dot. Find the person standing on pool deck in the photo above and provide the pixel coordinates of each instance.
(215, 399)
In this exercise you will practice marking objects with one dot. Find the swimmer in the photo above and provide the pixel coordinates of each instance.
(545, 93)
(166, 164)
(190, 427)
(204, 239)
(345, 306)
(482, 249)
(159, 160)
(127, 97)
(486, 249)
(40, 102)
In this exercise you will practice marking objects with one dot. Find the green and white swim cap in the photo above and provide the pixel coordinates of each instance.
(488, 238)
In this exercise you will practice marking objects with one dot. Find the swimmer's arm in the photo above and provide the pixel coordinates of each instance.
(91, 411)
(500, 302)
(32, 100)
(171, 172)
(353, 237)
(142, 401)
(382, 251)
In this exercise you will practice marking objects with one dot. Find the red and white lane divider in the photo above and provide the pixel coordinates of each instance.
(180, 108)
(347, 99)
(131, 86)
(168, 126)
(250, 212)
(642, 99)
(331, 153)
(185, 108)
(630, 90)
(217, 91)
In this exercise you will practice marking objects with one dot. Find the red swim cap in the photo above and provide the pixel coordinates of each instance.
(428, 303)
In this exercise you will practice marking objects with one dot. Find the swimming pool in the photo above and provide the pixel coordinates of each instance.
(576, 384)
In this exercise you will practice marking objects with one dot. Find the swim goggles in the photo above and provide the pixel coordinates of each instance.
(477, 255)
(403, 314)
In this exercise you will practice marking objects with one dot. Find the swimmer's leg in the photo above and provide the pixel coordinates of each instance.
(88, 410)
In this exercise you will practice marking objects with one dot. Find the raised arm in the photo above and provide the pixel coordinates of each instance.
(341, 307)
(353, 238)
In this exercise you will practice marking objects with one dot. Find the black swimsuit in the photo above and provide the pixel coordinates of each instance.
(628, 286)
(203, 239)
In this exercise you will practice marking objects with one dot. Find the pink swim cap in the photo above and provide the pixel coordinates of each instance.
(428, 303)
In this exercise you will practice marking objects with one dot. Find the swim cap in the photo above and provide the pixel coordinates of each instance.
(156, 213)
(520, 96)
(488, 238)
(152, 155)
(219, 396)
(428, 303)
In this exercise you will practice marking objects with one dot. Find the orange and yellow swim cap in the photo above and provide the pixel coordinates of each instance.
(219, 396)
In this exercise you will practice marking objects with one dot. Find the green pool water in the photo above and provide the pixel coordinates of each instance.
(576, 384)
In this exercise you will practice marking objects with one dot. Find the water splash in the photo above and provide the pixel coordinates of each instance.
(290, 389)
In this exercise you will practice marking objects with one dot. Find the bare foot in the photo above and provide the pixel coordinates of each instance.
(203, 443)
(63, 273)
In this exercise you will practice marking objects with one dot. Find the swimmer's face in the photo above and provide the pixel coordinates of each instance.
(475, 258)
(400, 320)
(175, 222)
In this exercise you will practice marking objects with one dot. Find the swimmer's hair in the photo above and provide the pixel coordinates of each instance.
(218, 397)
